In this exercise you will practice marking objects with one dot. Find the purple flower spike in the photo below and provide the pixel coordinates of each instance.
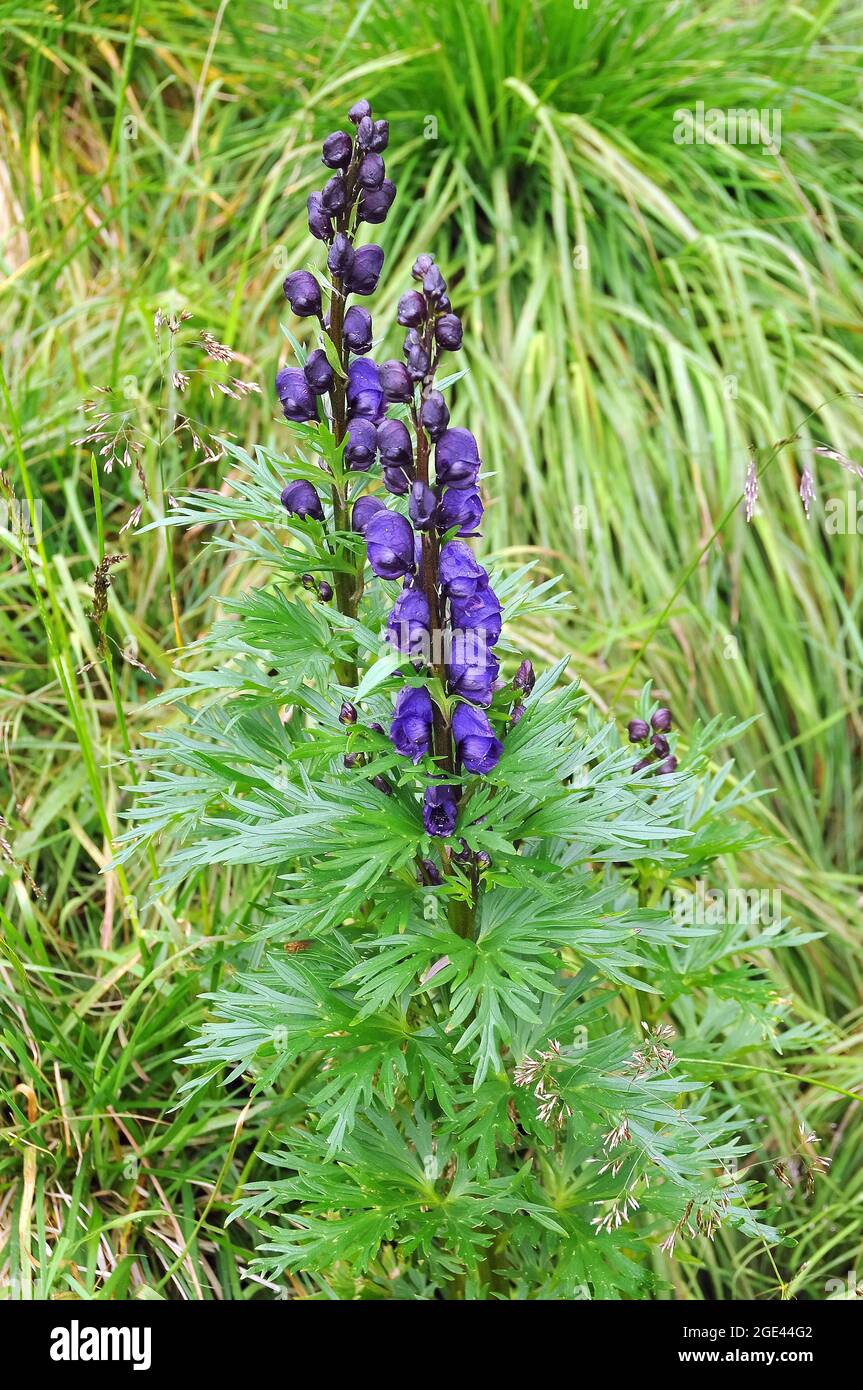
(303, 293)
(358, 329)
(459, 571)
(460, 508)
(362, 443)
(478, 746)
(479, 614)
(296, 396)
(409, 622)
(440, 810)
(394, 442)
(300, 499)
(366, 270)
(375, 203)
(390, 542)
(364, 391)
(457, 461)
(411, 728)
(364, 509)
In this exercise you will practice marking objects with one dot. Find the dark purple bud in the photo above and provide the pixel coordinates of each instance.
(371, 171)
(422, 506)
(296, 396)
(341, 257)
(364, 509)
(429, 873)
(364, 391)
(516, 713)
(483, 860)
(396, 481)
(361, 445)
(637, 730)
(318, 372)
(380, 136)
(320, 225)
(434, 415)
(359, 111)
(300, 499)
(366, 270)
(412, 309)
(303, 293)
(409, 622)
(434, 284)
(382, 785)
(479, 613)
(308, 581)
(524, 678)
(667, 765)
(472, 668)
(334, 195)
(375, 203)
(448, 332)
(365, 133)
(440, 810)
(460, 508)
(352, 760)
(394, 443)
(376, 728)
(325, 591)
(660, 745)
(358, 329)
(477, 745)
(662, 720)
(395, 379)
(457, 461)
(337, 150)
(418, 362)
(390, 543)
(642, 763)
(412, 723)
(459, 572)
(464, 853)
(347, 713)
(421, 266)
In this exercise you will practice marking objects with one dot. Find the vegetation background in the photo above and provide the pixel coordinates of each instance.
(640, 316)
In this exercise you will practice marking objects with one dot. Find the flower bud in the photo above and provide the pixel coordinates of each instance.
(352, 760)
(637, 730)
(448, 332)
(421, 266)
(318, 372)
(371, 171)
(524, 678)
(320, 225)
(382, 785)
(337, 150)
(340, 257)
(296, 396)
(359, 111)
(422, 505)
(412, 309)
(516, 713)
(325, 591)
(396, 381)
(662, 720)
(429, 873)
(375, 203)
(660, 745)
(380, 136)
(483, 860)
(334, 195)
(642, 763)
(433, 283)
(358, 329)
(347, 713)
(434, 415)
(418, 362)
(308, 581)
(303, 293)
(668, 765)
(366, 270)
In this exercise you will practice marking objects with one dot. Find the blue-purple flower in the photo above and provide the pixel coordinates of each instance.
(361, 443)
(390, 543)
(337, 150)
(364, 509)
(460, 507)
(479, 612)
(303, 293)
(394, 443)
(434, 415)
(459, 571)
(476, 743)
(457, 460)
(375, 203)
(440, 810)
(366, 270)
(364, 391)
(411, 728)
(409, 622)
(318, 372)
(296, 395)
(300, 499)
(357, 329)
(472, 668)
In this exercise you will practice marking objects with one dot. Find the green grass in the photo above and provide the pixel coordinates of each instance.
(639, 314)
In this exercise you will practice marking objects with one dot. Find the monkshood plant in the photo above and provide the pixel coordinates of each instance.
(485, 1039)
